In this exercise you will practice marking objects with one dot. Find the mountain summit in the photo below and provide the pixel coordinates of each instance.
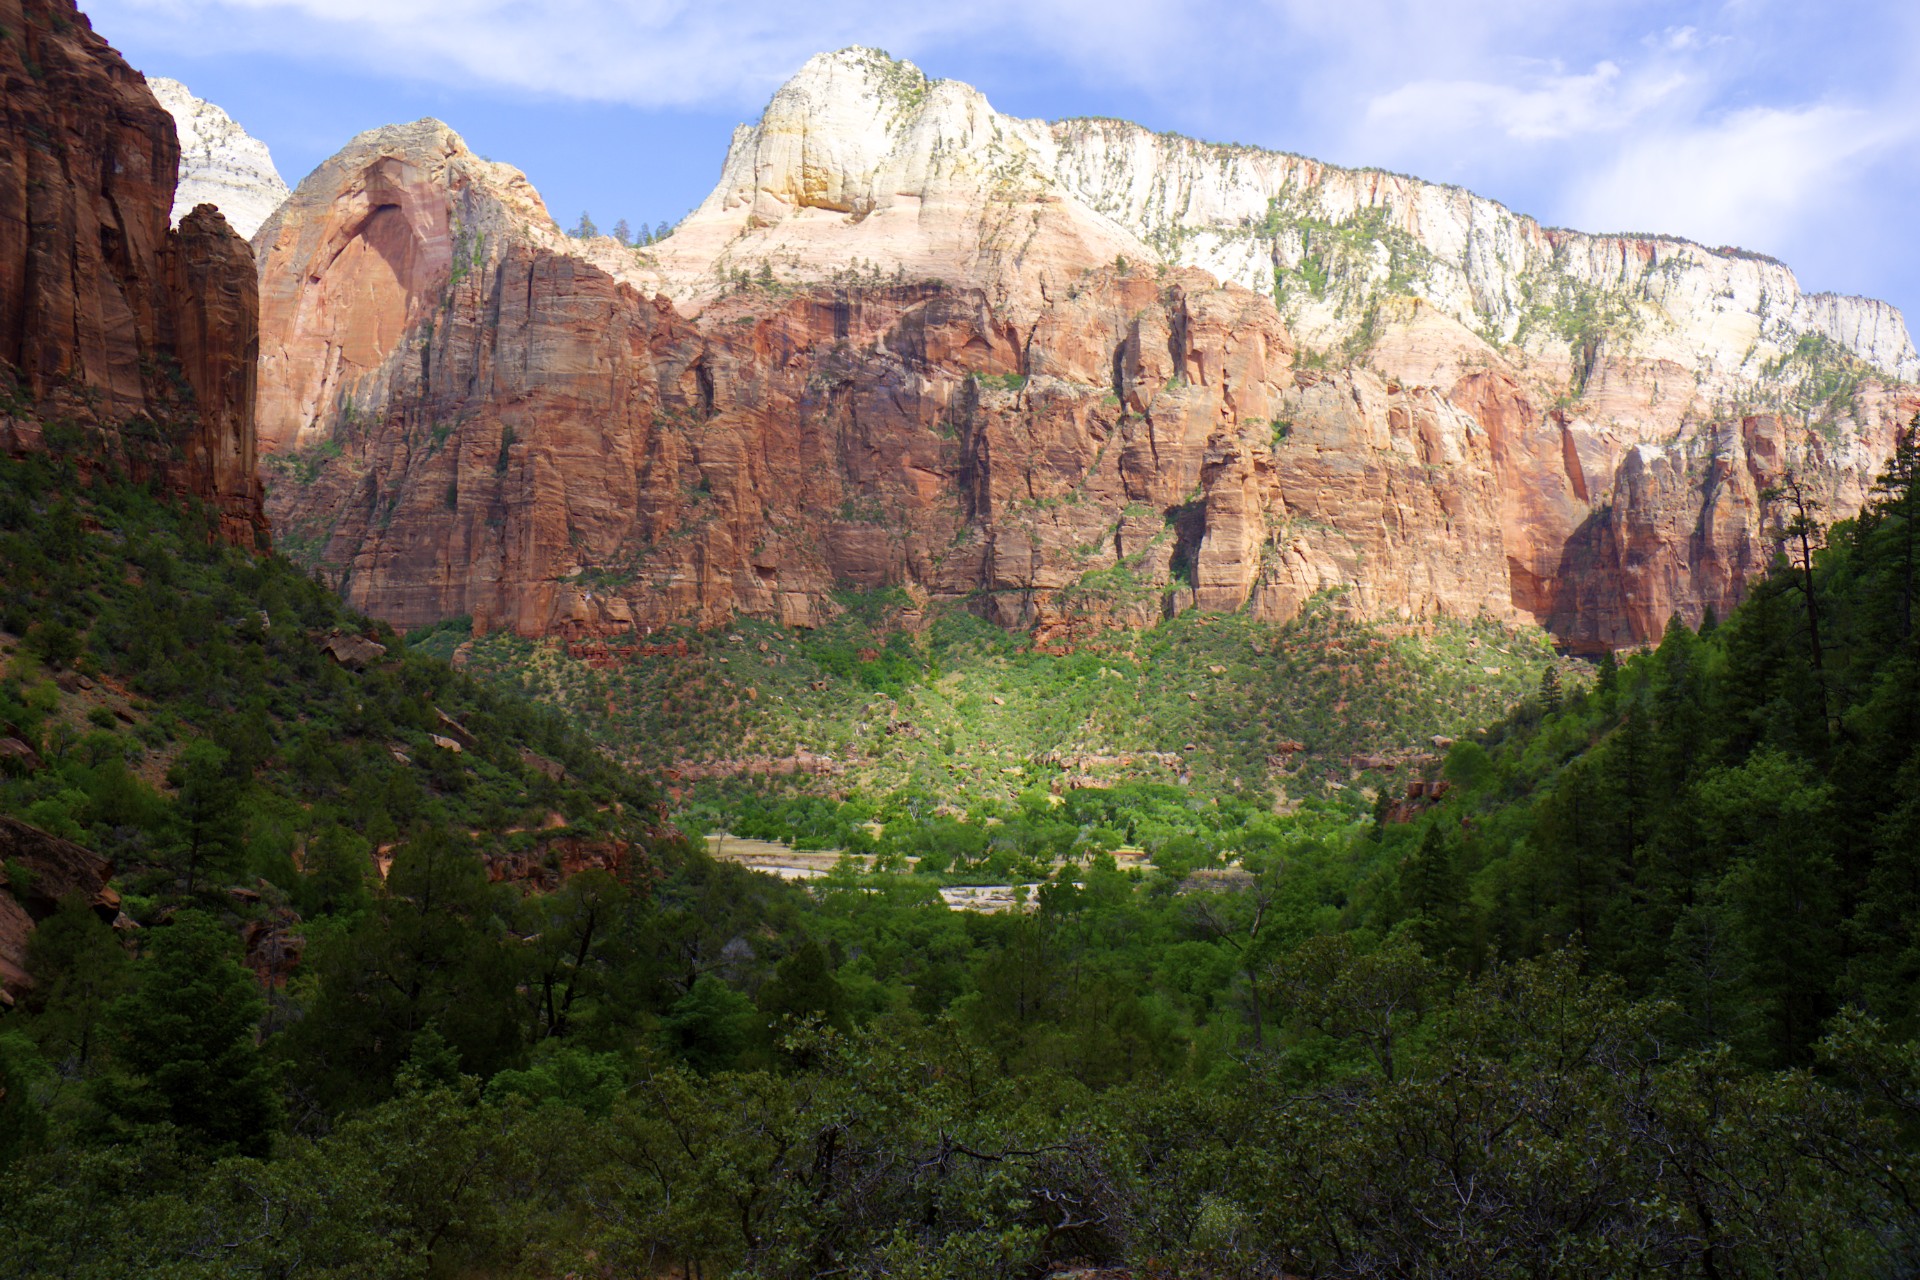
(862, 156)
(221, 164)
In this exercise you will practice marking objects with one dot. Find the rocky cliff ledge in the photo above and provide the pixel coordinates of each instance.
(911, 342)
(119, 339)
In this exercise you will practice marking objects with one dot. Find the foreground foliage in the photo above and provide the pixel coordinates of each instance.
(1634, 999)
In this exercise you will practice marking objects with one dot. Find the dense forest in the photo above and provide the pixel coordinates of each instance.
(1634, 997)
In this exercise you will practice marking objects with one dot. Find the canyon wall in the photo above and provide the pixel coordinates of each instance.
(1075, 375)
(121, 341)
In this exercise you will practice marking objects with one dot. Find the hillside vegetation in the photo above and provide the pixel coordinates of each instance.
(1653, 1015)
(890, 704)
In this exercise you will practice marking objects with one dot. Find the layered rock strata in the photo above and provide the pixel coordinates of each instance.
(221, 164)
(911, 342)
(121, 340)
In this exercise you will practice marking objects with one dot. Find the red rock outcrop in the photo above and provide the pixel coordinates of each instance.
(45, 869)
(141, 339)
(470, 413)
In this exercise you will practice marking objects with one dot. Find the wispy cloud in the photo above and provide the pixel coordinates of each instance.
(1540, 108)
(650, 53)
(1758, 176)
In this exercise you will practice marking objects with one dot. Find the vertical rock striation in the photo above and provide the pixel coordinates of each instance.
(118, 336)
(1076, 375)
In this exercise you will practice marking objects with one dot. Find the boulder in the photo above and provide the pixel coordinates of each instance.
(53, 868)
(16, 756)
(353, 651)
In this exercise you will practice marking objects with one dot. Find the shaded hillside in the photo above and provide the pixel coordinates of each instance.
(1728, 821)
(153, 681)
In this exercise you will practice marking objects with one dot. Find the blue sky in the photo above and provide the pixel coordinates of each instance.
(1787, 128)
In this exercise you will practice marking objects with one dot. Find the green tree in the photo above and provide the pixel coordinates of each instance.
(206, 838)
(709, 1027)
(1434, 899)
(22, 1122)
(802, 987)
(79, 969)
(429, 951)
(1771, 817)
(185, 1036)
(574, 933)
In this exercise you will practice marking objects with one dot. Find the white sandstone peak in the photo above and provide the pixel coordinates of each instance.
(220, 163)
(861, 162)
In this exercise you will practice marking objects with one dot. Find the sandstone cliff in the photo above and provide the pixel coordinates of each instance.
(910, 341)
(120, 340)
(221, 164)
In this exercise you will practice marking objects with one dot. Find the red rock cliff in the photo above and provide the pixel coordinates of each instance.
(141, 339)
(469, 412)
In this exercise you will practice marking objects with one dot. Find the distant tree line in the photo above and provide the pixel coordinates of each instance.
(586, 228)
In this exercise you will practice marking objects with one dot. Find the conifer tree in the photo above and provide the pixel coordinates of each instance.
(207, 838)
(1799, 529)
(185, 1035)
(1435, 898)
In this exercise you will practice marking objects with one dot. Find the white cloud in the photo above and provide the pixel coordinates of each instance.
(1547, 108)
(1764, 122)
(649, 53)
(1755, 177)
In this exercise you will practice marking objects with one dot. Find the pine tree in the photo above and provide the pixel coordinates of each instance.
(1799, 530)
(186, 1036)
(206, 840)
(585, 228)
(1434, 897)
(1898, 488)
(1607, 676)
(622, 232)
(78, 970)
(1550, 696)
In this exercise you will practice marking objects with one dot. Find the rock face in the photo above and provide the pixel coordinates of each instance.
(221, 164)
(125, 342)
(1076, 375)
(46, 869)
